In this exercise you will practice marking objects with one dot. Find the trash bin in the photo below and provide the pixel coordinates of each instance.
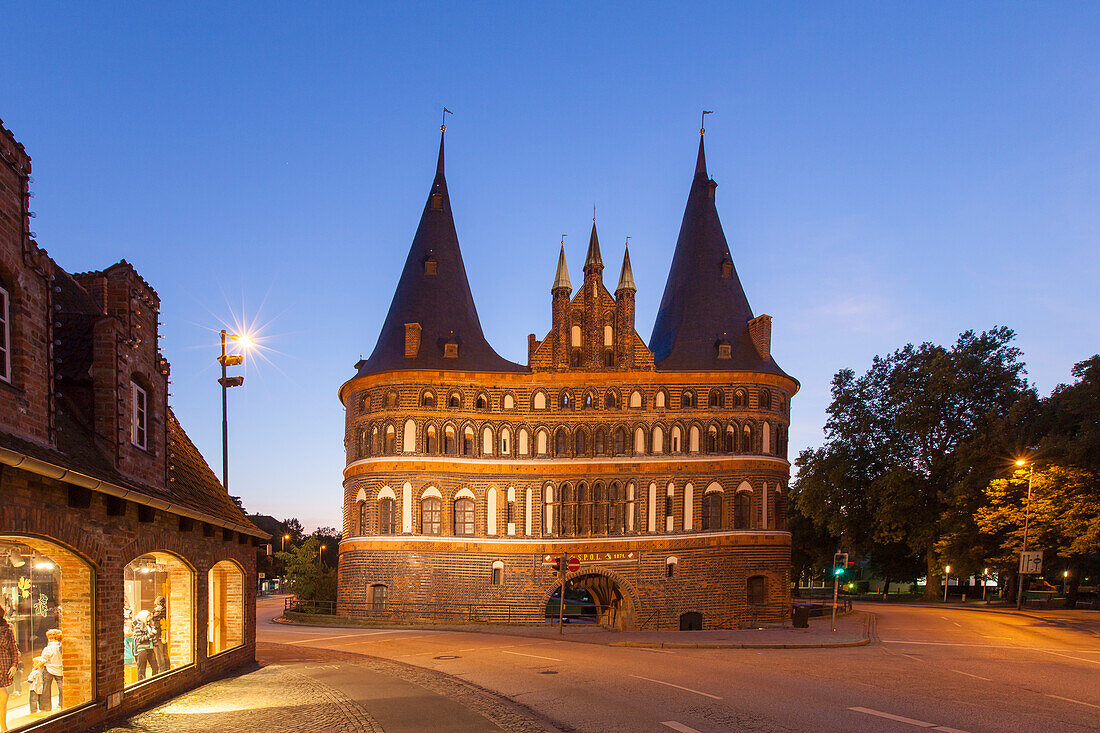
(800, 616)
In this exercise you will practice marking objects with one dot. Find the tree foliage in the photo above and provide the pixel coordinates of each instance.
(310, 580)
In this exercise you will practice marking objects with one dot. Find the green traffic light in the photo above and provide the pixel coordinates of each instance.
(838, 571)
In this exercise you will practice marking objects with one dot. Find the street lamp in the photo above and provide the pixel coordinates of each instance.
(228, 360)
(985, 581)
(1065, 581)
(1027, 514)
(320, 549)
(285, 538)
(946, 580)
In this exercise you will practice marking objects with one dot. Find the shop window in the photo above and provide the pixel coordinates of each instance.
(158, 609)
(225, 627)
(46, 606)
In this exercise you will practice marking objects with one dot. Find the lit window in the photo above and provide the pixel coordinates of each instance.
(225, 620)
(157, 615)
(139, 416)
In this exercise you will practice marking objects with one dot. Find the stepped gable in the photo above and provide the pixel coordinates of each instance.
(704, 303)
(434, 293)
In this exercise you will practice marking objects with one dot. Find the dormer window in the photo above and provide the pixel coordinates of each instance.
(5, 335)
(430, 265)
(437, 202)
(724, 350)
(139, 416)
(727, 269)
(450, 350)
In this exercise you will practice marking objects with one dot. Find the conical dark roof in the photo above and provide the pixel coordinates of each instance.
(704, 302)
(434, 292)
(593, 261)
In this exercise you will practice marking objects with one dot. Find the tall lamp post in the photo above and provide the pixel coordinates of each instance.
(946, 580)
(228, 360)
(320, 560)
(1027, 515)
(285, 538)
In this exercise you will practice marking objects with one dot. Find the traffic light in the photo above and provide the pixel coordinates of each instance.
(840, 563)
(556, 564)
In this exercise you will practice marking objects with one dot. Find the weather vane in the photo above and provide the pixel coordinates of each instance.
(703, 120)
(563, 239)
(443, 127)
(627, 245)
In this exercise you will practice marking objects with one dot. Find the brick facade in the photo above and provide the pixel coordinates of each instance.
(90, 494)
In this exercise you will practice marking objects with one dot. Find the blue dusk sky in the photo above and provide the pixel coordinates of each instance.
(888, 173)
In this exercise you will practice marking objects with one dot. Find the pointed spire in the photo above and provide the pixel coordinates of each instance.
(626, 276)
(439, 163)
(700, 162)
(561, 278)
(593, 263)
(433, 293)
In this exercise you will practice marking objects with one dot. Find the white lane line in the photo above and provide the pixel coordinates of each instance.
(1068, 656)
(945, 729)
(654, 651)
(678, 687)
(915, 659)
(533, 656)
(1070, 699)
(952, 621)
(959, 671)
(679, 726)
(329, 638)
(985, 646)
(898, 718)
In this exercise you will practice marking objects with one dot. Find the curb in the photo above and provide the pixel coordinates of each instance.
(679, 645)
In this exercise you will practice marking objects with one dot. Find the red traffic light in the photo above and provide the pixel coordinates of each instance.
(556, 564)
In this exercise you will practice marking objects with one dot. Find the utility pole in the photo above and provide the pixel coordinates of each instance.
(563, 562)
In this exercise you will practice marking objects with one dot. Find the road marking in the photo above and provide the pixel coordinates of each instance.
(910, 721)
(952, 621)
(330, 638)
(959, 671)
(679, 726)
(991, 646)
(533, 656)
(915, 659)
(1070, 699)
(678, 687)
(1067, 656)
(655, 651)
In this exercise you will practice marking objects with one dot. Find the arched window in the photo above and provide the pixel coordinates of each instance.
(505, 442)
(157, 589)
(712, 439)
(670, 566)
(568, 501)
(693, 442)
(565, 400)
(575, 336)
(611, 400)
(225, 611)
(482, 401)
(486, 441)
(636, 399)
(497, 577)
(427, 399)
(550, 520)
(715, 399)
(467, 441)
(524, 445)
(431, 515)
(661, 400)
(464, 517)
(379, 597)
(584, 501)
(620, 441)
(658, 440)
(560, 438)
(746, 439)
(687, 399)
(731, 439)
(580, 443)
(509, 402)
(765, 399)
(450, 445)
(739, 398)
(608, 358)
(766, 438)
(391, 440)
(588, 401)
(541, 440)
(361, 514)
(408, 437)
(602, 506)
(755, 590)
(538, 402)
(675, 447)
(374, 440)
(712, 510)
(608, 336)
(431, 442)
(455, 400)
(618, 509)
(391, 399)
(600, 442)
(387, 516)
(742, 510)
(46, 593)
(781, 507)
(639, 442)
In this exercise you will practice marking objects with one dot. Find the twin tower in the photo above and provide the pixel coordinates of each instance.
(662, 467)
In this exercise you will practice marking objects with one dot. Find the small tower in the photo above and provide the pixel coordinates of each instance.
(560, 294)
(624, 314)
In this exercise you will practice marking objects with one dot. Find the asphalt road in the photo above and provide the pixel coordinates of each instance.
(944, 669)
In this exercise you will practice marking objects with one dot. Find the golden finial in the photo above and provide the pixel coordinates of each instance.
(443, 127)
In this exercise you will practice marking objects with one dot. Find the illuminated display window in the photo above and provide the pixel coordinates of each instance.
(158, 613)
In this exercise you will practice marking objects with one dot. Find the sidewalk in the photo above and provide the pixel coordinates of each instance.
(854, 629)
(1080, 619)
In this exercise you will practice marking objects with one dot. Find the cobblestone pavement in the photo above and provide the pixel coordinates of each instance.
(282, 696)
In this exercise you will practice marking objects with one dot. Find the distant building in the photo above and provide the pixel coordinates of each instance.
(107, 508)
(661, 467)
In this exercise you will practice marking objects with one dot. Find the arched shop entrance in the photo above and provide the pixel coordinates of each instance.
(594, 596)
(46, 593)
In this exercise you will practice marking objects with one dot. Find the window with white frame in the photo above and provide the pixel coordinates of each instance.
(139, 415)
(5, 335)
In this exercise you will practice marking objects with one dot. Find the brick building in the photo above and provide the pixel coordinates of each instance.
(107, 510)
(661, 467)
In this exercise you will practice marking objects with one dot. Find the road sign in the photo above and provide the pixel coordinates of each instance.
(1031, 563)
(574, 564)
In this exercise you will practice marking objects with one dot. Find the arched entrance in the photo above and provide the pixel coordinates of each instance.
(598, 595)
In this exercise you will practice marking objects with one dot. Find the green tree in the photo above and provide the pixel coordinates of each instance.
(304, 572)
(910, 445)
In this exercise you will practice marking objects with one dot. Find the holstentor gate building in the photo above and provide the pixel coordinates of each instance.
(663, 467)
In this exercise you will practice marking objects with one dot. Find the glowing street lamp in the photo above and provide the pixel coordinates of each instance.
(1027, 513)
(946, 580)
(227, 360)
(285, 538)
(1065, 581)
(320, 549)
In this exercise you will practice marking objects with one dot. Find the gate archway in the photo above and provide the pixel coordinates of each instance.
(615, 601)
